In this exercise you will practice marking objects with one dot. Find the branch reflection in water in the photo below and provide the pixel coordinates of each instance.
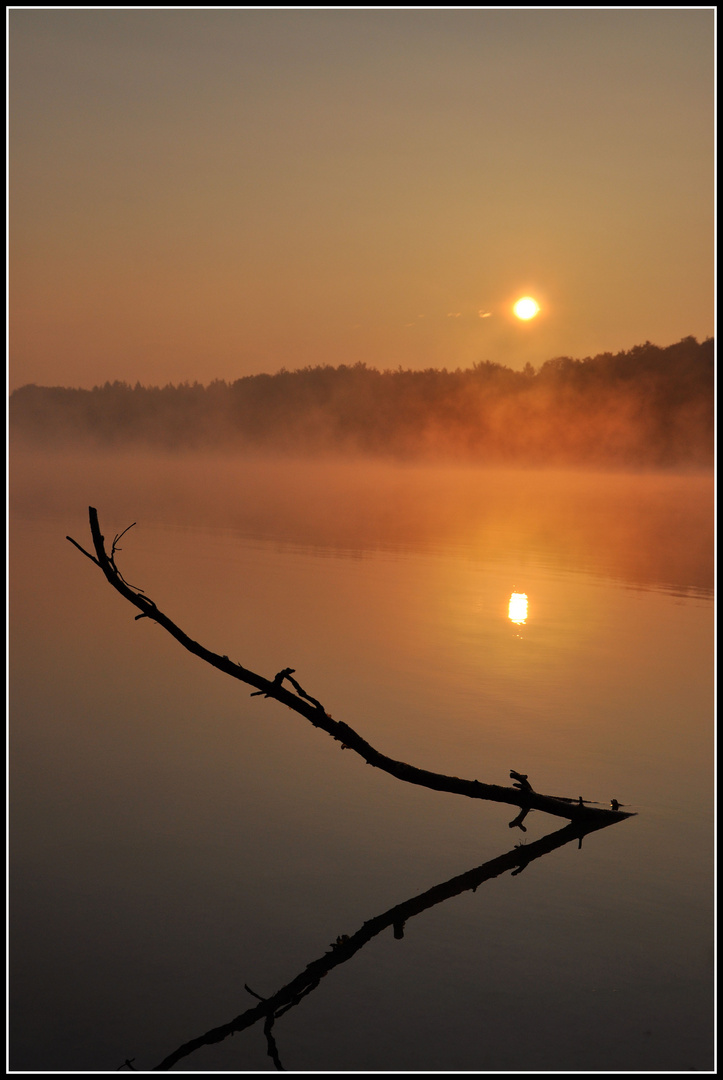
(270, 1009)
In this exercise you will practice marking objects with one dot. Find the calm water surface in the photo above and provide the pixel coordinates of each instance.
(173, 839)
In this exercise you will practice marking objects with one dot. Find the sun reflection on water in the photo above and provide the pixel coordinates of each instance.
(517, 610)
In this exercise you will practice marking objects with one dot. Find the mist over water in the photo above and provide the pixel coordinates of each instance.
(650, 529)
(173, 838)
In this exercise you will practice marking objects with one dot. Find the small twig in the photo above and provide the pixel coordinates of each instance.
(271, 1042)
(111, 558)
(302, 693)
(276, 681)
(118, 537)
(517, 823)
(521, 780)
(86, 553)
(524, 859)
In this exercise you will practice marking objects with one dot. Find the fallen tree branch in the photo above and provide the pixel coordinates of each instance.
(521, 794)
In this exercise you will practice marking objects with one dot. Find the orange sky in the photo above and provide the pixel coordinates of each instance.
(209, 194)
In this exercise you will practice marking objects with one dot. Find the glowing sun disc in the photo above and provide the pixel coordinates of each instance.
(526, 308)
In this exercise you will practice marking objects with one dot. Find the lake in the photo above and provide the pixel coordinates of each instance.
(174, 840)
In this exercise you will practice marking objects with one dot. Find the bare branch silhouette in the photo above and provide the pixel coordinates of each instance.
(271, 1008)
(521, 794)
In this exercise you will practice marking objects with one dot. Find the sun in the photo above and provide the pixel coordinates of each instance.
(526, 308)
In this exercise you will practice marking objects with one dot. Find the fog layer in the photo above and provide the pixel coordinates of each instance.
(646, 407)
(651, 529)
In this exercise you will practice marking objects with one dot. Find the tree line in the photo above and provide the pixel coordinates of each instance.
(647, 406)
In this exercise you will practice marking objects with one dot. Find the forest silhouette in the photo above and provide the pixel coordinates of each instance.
(646, 407)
